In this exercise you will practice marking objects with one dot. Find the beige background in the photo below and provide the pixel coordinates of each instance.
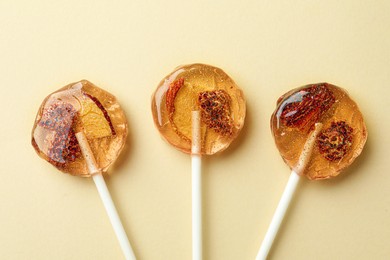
(127, 47)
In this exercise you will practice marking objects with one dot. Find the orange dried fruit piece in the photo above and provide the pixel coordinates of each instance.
(94, 121)
(204, 88)
(340, 140)
(79, 106)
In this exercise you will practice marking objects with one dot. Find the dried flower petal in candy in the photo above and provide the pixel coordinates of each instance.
(215, 107)
(206, 89)
(335, 141)
(79, 105)
(341, 139)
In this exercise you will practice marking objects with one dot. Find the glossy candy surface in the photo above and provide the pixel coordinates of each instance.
(340, 140)
(204, 88)
(79, 106)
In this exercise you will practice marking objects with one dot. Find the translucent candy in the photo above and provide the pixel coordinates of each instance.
(342, 136)
(79, 106)
(204, 88)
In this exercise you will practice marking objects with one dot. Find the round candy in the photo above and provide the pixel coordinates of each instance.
(203, 88)
(79, 106)
(340, 140)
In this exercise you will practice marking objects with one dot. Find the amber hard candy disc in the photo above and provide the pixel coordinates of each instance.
(342, 136)
(79, 106)
(203, 88)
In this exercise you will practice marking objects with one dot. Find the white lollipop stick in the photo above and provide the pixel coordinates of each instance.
(105, 196)
(196, 187)
(288, 194)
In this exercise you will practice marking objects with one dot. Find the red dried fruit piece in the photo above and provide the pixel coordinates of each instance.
(335, 142)
(172, 91)
(303, 109)
(174, 87)
(61, 118)
(104, 111)
(215, 109)
(58, 116)
(64, 149)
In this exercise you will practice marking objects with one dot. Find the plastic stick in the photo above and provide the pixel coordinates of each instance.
(196, 187)
(287, 195)
(105, 196)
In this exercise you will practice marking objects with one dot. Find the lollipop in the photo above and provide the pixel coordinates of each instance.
(319, 131)
(200, 111)
(81, 129)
